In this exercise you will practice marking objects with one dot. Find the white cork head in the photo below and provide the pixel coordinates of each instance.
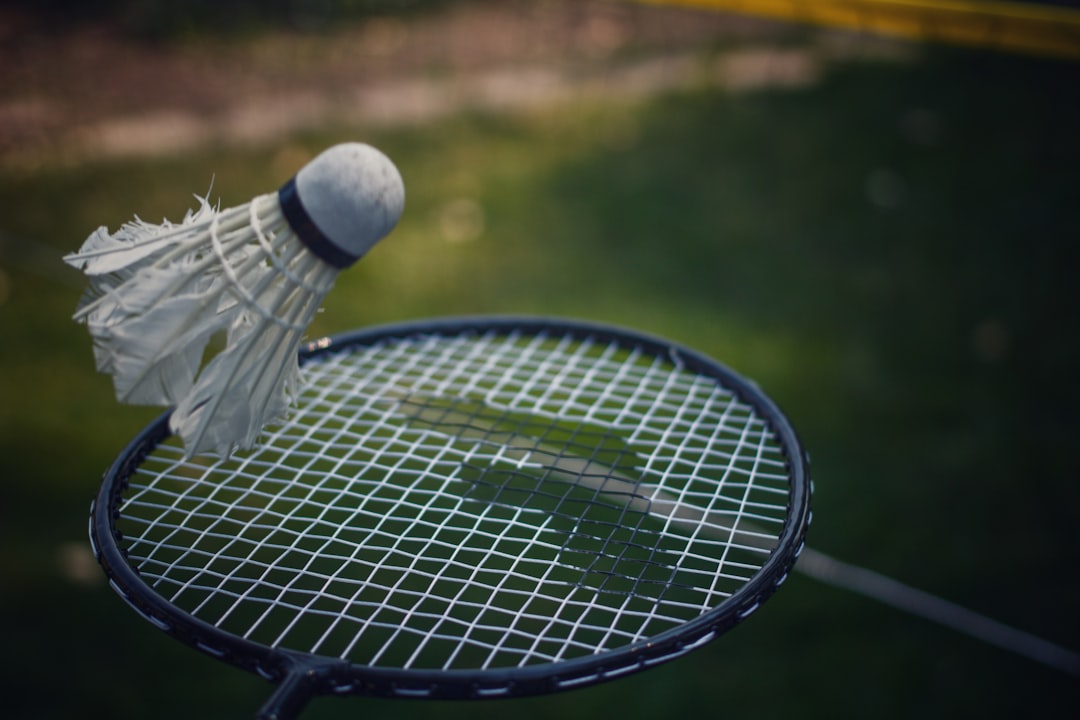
(353, 194)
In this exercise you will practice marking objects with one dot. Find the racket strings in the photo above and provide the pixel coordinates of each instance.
(473, 501)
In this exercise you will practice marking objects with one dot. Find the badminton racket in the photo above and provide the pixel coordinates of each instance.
(466, 508)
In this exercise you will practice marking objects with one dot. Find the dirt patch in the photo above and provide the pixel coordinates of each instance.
(92, 91)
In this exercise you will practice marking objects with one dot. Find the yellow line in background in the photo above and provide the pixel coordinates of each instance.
(1010, 26)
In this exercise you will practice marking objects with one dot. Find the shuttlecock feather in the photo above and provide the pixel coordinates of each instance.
(257, 273)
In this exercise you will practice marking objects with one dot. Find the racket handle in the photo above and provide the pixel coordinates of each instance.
(292, 694)
(930, 607)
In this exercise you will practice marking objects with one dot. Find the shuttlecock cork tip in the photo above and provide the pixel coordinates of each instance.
(344, 201)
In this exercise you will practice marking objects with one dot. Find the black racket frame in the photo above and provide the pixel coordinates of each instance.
(299, 676)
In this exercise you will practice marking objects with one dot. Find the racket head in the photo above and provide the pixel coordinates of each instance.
(555, 475)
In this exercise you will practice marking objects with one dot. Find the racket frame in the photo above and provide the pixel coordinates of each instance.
(300, 675)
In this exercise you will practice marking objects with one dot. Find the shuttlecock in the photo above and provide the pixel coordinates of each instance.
(255, 273)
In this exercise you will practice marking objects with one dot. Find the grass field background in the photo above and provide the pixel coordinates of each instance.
(890, 251)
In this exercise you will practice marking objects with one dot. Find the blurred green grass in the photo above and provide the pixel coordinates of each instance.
(891, 253)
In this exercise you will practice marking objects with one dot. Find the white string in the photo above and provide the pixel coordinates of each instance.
(388, 522)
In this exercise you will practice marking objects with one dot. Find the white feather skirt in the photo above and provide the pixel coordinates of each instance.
(160, 295)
